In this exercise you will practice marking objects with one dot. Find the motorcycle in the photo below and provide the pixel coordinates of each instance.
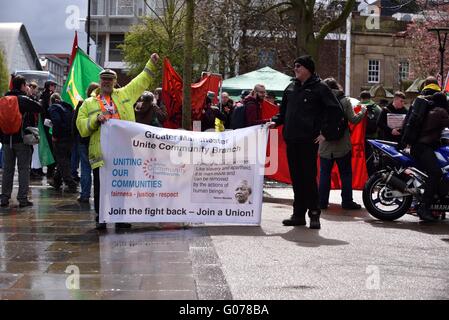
(397, 188)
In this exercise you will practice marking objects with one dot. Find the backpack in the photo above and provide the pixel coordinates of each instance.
(335, 123)
(10, 116)
(371, 119)
(238, 118)
(66, 117)
(414, 121)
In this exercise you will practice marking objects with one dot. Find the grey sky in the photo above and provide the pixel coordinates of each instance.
(45, 21)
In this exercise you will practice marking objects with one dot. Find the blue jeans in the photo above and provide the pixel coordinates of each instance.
(75, 160)
(86, 171)
(345, 169)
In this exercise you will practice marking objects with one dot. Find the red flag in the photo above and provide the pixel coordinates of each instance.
(446, 84)
(283, 173)
(172, 94)
(74, 49)
(359, 173)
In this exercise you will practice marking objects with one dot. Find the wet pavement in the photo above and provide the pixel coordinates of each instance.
(42, 246)
(353, 256)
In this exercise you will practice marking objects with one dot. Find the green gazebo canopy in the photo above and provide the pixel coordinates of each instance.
(273, 80)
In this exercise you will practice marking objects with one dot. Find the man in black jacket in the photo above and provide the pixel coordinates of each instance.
(13, 146)
(304, 103)
(397, 107)
(423, 150)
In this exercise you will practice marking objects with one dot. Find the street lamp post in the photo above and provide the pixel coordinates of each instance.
(440, 31)
(88, 27)
(338, 13)
(96, 34)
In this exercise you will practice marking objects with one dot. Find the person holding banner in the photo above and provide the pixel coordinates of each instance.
(110, 103)
(304, 102)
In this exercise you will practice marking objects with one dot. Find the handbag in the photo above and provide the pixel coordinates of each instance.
(32, 137)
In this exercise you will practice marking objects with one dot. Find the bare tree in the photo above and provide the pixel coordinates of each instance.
(188, 66)
(310, 33)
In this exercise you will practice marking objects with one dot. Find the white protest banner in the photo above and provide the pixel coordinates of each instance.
(162, 175)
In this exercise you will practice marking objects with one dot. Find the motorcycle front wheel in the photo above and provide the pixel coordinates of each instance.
(379, 205)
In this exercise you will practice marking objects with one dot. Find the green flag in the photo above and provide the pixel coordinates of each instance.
(45, 155)
(83, 72)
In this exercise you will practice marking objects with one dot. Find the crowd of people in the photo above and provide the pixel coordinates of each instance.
(74, 133)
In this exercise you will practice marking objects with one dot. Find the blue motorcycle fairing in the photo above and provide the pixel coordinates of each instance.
(405, 160)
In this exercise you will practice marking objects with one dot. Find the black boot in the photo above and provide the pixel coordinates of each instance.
(314, 216)
(99, 226)
(295, 220)
(425, 214)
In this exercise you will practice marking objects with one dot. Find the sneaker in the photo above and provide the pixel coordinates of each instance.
(100, 226)
(83, 200)
(295, 220)
(351, 206)
(122, 225)
(24, 204)
(314, 216)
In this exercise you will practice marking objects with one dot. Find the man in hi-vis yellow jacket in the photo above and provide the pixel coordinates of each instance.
(110, 103)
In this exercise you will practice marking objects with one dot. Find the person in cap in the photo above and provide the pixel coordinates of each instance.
(303, 104)
(110, 103)
(148, 112)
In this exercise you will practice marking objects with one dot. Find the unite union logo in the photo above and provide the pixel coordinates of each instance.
(153, 168)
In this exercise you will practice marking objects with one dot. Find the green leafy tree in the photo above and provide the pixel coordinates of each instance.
(4, 75)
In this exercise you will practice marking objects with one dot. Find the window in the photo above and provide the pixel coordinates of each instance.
(267, 57)
(373, 71)
(98, 7)
(115, 53)
(122, 8)
(404, 70)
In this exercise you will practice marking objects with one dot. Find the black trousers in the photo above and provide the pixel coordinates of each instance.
(62, 152)
(425, 156)
(97, 191)
(302, 162)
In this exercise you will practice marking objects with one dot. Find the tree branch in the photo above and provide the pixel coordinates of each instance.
(334, 24)
(277, 6)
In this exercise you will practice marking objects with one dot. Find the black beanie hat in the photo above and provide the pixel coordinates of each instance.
(307, 62)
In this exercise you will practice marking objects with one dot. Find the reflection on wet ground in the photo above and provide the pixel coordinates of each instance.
(42, 247)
